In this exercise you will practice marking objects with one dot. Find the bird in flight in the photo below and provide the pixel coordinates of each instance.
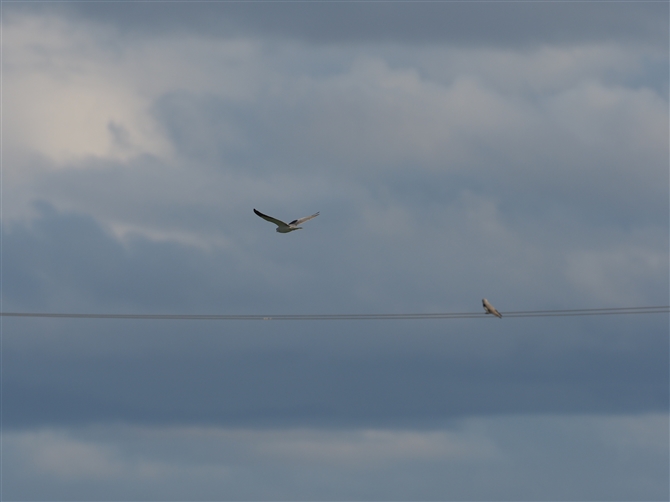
(490, 309)
(284, 228)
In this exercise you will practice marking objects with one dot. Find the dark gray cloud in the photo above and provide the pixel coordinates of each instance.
(309, 388)
(460, 23)
(516, 151)
(291, 374)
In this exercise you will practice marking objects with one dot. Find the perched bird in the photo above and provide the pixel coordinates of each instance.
(284, 228)
(490, 309)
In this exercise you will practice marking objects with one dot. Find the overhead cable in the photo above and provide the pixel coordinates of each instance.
(344, 317)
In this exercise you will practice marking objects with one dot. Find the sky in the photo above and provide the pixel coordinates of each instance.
(517, 151)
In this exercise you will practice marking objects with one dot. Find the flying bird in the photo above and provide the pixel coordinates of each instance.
(284, 228)
(490, 309)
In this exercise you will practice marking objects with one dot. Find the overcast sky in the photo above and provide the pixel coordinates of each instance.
(509, 150)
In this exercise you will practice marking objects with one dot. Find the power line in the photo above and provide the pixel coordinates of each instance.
(345, 317)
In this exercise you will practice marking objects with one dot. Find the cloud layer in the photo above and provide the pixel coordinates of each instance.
(455, 151)
(608, 458)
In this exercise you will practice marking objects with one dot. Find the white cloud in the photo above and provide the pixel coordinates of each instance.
(372, 448)
(618, 119)
(68, 97)
(56, 454)
(619, 275)
(541, 70)
(76, 90)
(643, 433)
(513, 457)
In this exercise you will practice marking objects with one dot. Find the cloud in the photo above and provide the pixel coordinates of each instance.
(463, 24)
(611, 270)
(69, 99)
(601, 458)
(372, 448)
(283, 119)
(63, 458)
(455, 151)
(436, 187)
(337, 375)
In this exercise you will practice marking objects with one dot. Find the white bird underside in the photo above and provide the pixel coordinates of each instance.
(284, 228)
(490, 309)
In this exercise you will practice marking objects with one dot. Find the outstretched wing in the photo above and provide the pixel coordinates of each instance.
(277, 222)
(303, 220)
